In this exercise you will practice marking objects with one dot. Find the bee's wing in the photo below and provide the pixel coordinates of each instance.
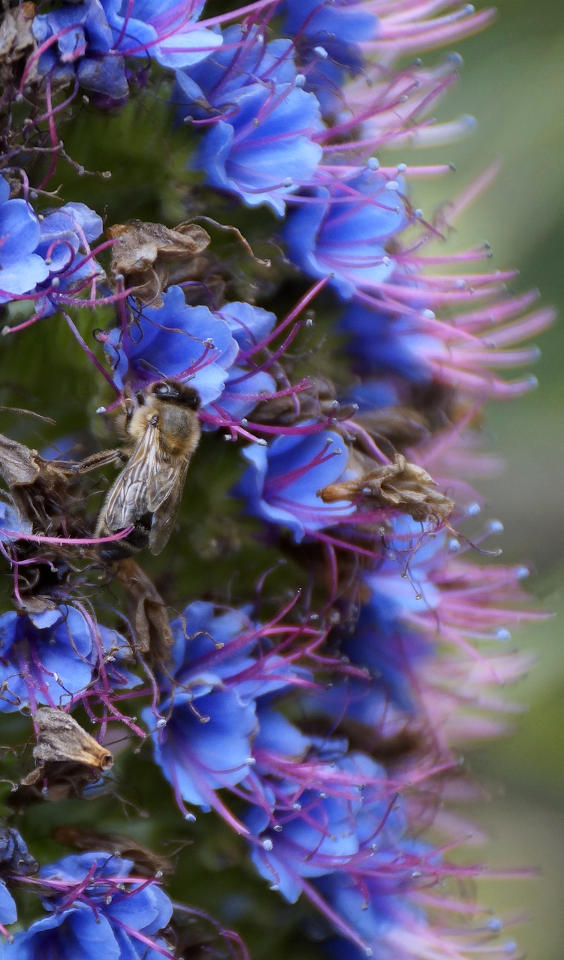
(134, 493)
(165, 513)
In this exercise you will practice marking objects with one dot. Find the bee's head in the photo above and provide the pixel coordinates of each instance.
(177, 393)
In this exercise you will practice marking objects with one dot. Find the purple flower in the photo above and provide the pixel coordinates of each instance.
(282, 481)
(166, 30)
(21, 266)
(342, 232)
(95, 911)
(78, 43)
(175, 340)
(261, 145)
(48, 657)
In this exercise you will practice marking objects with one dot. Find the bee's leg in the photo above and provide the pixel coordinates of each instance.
(100, 459)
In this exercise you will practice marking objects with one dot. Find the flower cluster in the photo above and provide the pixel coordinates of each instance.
(95, 904)
(320, 637)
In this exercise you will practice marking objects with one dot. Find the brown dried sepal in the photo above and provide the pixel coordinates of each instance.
(402, 485)
(150, 256)
(16, 35)
(39, 487)
(398, 426)
(146, 861)
(146, 610)
(317, 400)
(68, 759)
(60, 740)
(55, 781)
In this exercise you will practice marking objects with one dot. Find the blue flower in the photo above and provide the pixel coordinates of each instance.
(65, 235)
(11, 519)
(342, 815)
(205, 743)
(8, 909)
(335, 22)
(384, 639)
(175, 340)
(384, 344)
(283, 479)
(96, 912)
(328, 36)
(80, 46)
(343, 230)
(14, 859)
(48, 657)
(375, 913)
(166, 31)
(21, 266)
(260, 147)
(246, 386)
(245, 59)
(14, 855)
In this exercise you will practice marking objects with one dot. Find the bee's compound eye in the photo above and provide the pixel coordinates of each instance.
(165, 390)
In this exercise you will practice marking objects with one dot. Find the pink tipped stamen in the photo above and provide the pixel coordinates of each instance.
(65, 541)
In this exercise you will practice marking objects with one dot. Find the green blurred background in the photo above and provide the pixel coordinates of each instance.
(513, 83)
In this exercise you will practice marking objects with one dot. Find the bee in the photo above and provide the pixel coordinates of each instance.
(164, 429)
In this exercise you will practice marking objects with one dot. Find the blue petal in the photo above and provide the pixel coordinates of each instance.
(19, 232)
(8, 909)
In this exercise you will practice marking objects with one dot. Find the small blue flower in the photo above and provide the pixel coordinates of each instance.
(65, 236)
(11, 519)
(206, 741)
(323, 830)
(342, 233)
(261, 145)
(47, 657)
(14, 855)
(248, 324)
(328, 36)
(166, 31)
(21, 266)
(246, 58)
(384, 344)
(246, 386)
(96, 912)
(335, 22)
(282, 482)
(175, 340)
(372, 911)
(8, 909)
(79, 43)
(384, 640)
(264, 161)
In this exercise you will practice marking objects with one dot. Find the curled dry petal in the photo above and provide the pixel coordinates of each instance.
(150, 256)
(399, 484)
